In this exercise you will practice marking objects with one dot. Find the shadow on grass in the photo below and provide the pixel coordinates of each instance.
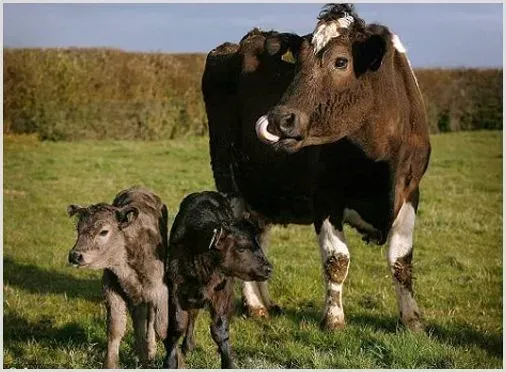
(20, 329)
(40, 281)
(465, 335)
(20, 333)
(457, 335)
(454, 334)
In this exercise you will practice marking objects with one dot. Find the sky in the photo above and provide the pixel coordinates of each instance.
(435, 35)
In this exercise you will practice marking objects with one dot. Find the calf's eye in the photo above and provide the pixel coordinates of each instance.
(341, 63)
(104, 232)
(240, 249)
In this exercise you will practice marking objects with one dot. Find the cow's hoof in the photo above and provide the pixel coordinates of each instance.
(332, 323)
(276, 310)
(258, 312)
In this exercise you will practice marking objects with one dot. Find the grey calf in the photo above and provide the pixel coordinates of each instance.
(128, 240)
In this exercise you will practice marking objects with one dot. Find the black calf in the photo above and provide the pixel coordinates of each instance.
(208, 247)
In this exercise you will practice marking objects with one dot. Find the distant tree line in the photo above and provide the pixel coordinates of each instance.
(71, 94)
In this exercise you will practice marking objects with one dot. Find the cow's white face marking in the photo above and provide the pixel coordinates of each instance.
(327, 31)
(262, 133)
(397, 44)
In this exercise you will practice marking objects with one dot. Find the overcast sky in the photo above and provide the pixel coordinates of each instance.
(444, 35)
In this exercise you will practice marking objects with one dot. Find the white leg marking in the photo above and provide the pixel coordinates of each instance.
(252, 295)
(262, 286)
(333, 246)
(257, 293)
(401, 235)
(401, 245)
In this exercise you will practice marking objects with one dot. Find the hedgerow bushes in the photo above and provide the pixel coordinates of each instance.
(71, 94)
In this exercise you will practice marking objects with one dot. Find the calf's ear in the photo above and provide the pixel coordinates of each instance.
(126, 215)
(368, 54)
(73, 209)
(221, 238)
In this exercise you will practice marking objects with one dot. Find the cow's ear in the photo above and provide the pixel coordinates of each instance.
(286, 46)
(73, 209)
(368, 54)
(126, 215)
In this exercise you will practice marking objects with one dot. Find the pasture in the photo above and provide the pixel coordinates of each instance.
(54, 316)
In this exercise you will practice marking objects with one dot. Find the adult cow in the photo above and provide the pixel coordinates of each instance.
(344, 139)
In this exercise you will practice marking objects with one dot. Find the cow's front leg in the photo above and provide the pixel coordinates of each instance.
(400, 253)
(335, 259)
(256, 294)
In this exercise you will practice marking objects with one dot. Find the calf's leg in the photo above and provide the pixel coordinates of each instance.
(335, 259)
(151, 335)
(140, 315)
(116, 325)
(189, 339)
(178, 322)
(399, 257)
(220, 310)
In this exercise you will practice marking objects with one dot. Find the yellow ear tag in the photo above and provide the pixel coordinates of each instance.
(288, 57)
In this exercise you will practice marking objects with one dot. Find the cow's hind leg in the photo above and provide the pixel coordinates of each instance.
(256, 294)
(335, 259)
(400, 253)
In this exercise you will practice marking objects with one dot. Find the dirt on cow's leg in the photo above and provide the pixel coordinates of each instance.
(400, 256)
(335, 260)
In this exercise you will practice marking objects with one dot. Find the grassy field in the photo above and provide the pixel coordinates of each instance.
(54, 316)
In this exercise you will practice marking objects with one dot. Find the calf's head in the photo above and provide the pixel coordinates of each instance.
(332, 91)
(100, 236)
(239, 251)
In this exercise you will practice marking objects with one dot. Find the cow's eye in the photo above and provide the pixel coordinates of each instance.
(240, 249)
(104, 232)
(341, 63)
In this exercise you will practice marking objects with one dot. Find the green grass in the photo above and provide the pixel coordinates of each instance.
(54, 316)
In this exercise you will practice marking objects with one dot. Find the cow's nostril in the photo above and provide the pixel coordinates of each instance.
(287, 121)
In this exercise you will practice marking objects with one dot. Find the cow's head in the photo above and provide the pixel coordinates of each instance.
(331, 94)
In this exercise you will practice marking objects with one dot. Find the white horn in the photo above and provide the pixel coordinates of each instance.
(262, 133)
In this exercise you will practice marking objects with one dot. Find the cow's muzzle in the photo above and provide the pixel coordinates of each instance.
(283, 127)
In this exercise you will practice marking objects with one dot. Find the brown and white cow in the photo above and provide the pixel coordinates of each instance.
(344, 139)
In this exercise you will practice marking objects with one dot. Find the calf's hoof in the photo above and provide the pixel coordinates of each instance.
(187, 347)
(332, 323)
(111, 365)
(175, 361)
(414, 324)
